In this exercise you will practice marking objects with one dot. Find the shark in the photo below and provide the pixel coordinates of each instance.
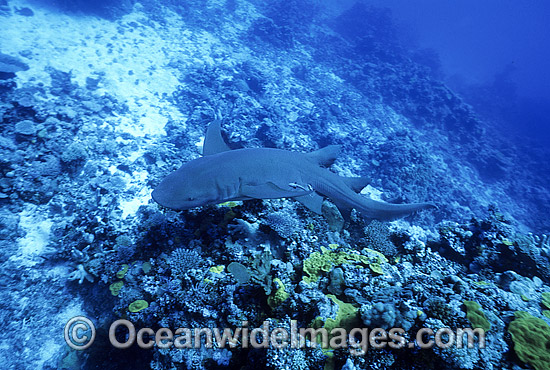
(222, 174)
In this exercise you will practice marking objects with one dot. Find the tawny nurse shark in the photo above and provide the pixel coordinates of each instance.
(222, 174)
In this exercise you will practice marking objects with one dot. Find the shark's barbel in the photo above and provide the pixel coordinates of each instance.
(262, 173)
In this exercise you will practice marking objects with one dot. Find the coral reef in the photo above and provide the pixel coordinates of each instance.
(95, 114)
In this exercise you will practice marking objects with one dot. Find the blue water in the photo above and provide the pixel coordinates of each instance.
(497, 48)
(431, 102)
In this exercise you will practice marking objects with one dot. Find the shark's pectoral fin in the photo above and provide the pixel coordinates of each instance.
(271, 190)
(213, 141)
(325, 156)
(312, 201)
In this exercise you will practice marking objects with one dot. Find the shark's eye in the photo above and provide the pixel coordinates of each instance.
(190, 199)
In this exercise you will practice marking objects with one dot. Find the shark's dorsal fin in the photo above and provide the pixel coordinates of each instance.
(325, 156)
(213, 141)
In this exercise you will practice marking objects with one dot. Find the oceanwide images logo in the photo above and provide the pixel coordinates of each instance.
(80, 334)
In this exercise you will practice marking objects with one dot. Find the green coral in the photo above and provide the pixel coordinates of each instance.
(116, 287)
(138, 305)
(507, 242)
(279, 296)
(217, 269)
(122, 271)
(325, 260)
(230, 204)
(531, 337)
(477, 317)
(546, 299)
(482, 283)
(347, 317)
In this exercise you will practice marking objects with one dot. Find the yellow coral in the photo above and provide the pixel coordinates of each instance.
(217, 269)
(279, 296)
(326, 260)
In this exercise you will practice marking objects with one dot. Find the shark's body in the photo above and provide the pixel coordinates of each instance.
(261, 173)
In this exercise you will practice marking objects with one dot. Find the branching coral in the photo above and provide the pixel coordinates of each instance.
(182, 260)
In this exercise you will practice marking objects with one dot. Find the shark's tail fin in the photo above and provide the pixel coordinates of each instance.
(388, 211)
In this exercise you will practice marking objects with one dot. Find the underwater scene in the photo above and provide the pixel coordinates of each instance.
(284, 184)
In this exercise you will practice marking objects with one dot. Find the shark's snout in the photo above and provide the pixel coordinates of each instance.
(163, 197)
(157, 197)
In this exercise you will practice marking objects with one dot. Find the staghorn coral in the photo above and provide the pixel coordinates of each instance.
(183, 260)
(377, 236)
(283, 223)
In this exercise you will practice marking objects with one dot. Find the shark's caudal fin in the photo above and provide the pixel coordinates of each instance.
(377, 209)
(213, 141)
(325, 156)
(388, 211)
